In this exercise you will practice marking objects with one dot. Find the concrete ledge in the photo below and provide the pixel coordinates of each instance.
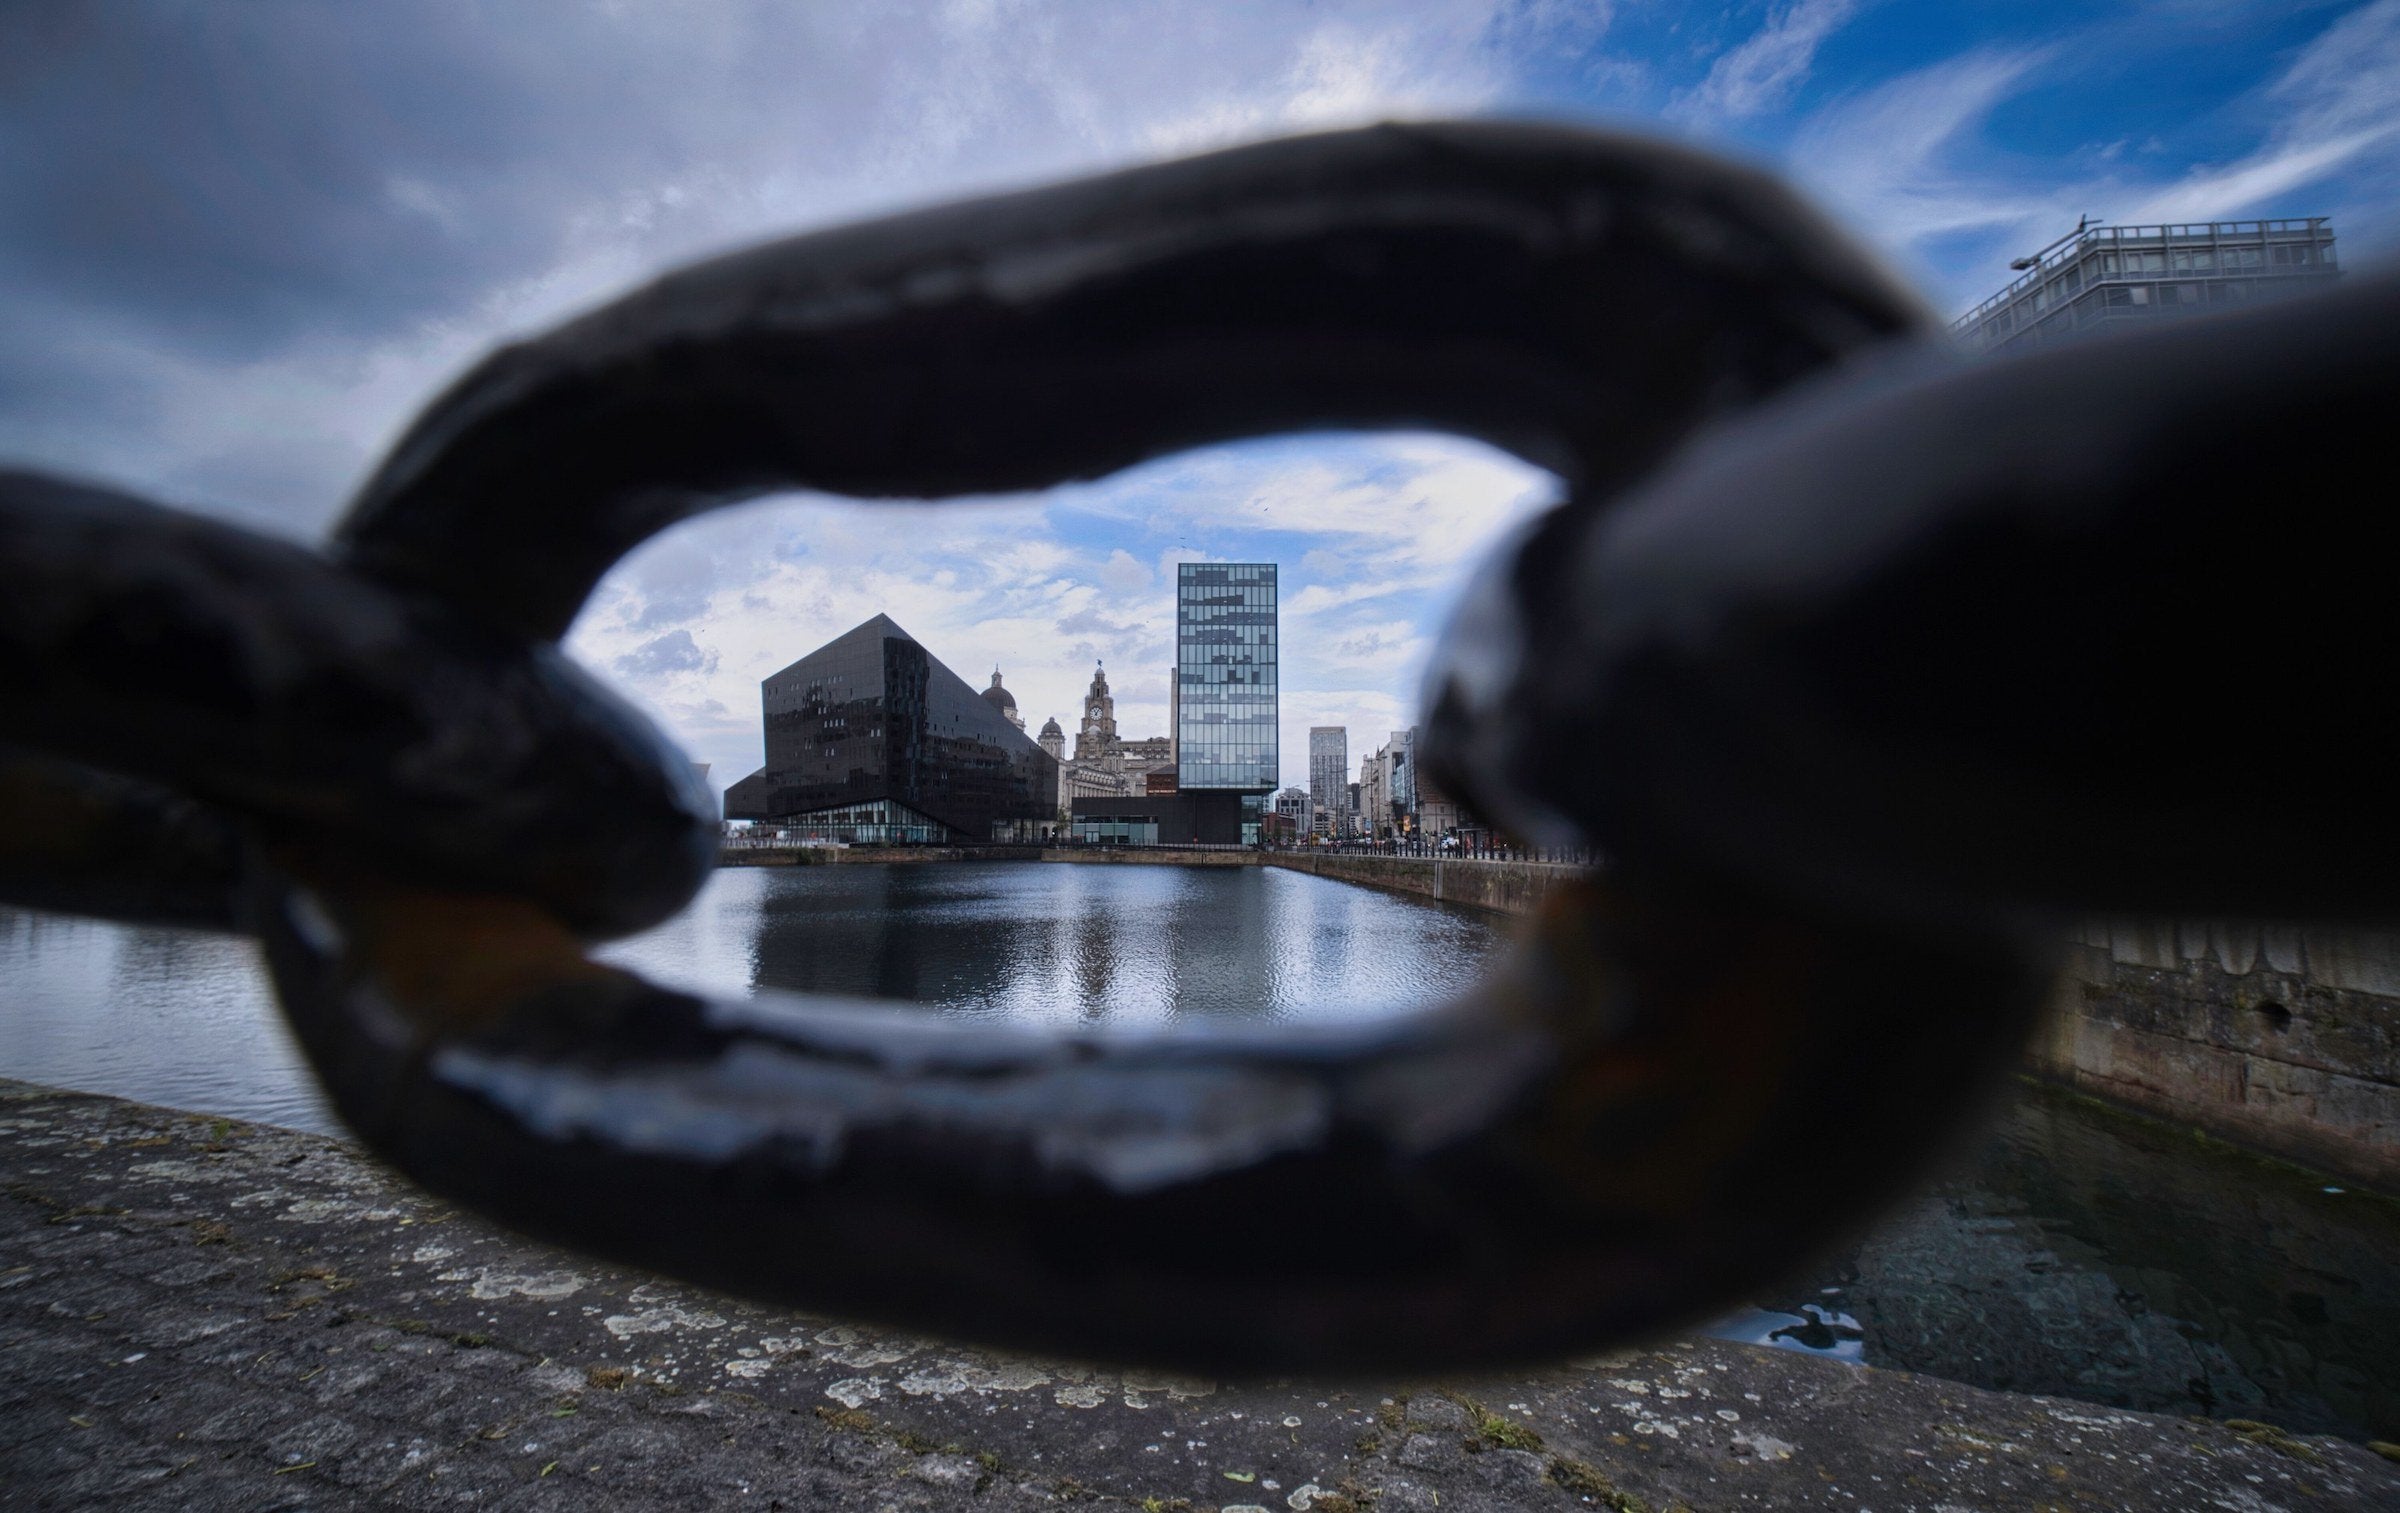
(1502, 887)
(198, 1314)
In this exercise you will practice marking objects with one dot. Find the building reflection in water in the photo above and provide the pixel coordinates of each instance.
(1064, 945)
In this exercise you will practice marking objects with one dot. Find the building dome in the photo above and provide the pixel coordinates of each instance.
(1004, 701)
(1050, 728)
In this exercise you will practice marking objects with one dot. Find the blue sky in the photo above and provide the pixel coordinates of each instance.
(243, 243)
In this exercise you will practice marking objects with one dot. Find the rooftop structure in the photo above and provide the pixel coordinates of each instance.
(2099, 277)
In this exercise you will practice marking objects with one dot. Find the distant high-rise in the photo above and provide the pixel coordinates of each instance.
(2099, 277)
(1225, 677)
(1328, 770)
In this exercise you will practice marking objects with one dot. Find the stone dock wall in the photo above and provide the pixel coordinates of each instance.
(2282, 1039)
(1502, 887)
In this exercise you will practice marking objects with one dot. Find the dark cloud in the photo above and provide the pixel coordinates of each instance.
(673, 652)
(1090, 622)
(238, 178)
(245, 241)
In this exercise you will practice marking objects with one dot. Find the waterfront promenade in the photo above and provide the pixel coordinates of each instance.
(200, 1314)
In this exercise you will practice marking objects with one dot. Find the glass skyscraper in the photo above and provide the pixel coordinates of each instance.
(1328, 773)
(1225, 677)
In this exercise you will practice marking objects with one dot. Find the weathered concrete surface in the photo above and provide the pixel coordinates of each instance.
(1503, 887)
(2283, 1039)
(196, 1314)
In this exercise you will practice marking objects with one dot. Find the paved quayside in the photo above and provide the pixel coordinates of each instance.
(199, 1314)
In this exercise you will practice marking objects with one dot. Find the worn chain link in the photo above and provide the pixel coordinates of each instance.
(1820, 682)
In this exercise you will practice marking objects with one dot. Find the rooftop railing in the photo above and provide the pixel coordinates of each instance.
(2071, 250)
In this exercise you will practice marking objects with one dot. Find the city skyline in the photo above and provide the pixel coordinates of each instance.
(341, 210)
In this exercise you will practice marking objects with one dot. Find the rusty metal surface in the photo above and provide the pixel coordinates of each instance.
(1772, 656)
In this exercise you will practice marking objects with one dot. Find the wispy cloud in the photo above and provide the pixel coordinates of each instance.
(1763, 72)
(1887, 156)
(2339, 99)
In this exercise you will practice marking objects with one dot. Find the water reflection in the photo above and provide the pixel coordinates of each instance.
(2082, 1254)
(1064, 945)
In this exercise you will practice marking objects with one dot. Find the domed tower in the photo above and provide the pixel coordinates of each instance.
(1054, 740)
(1096, 743)
(1004, 701)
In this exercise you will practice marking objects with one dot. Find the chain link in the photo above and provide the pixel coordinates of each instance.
(1753, 670)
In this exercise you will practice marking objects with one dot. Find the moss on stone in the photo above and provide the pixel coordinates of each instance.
(1586, 1480)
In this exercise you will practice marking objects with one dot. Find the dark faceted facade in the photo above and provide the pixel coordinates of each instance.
(870, 739)
(1225, 677)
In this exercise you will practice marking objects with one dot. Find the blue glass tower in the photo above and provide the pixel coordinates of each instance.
(1225, 677)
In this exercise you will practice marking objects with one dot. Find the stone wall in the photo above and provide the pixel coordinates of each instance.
(2279, 1038)
(1503, 887)
(837, 856)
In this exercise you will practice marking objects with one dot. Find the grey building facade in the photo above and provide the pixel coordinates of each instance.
(870, 740)
(1328, 773)
(2105, 277)
(1226, 669)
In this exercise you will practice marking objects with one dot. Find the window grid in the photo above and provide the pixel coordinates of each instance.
(1226, 669)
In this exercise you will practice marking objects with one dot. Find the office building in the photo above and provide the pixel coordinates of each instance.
(1225, 677)
(870, 740)
(1224, 700)
(1292, 805)
(2099, 278)
(1387, 788)
(1328, 770)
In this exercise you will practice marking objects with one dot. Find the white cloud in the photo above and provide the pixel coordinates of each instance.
(2339, 99)
(1124, 572)
(1886, 156)
(1763, 72)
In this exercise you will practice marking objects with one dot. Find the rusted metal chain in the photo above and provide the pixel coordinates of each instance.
(1693, 1073)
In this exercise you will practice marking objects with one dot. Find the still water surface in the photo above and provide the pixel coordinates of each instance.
(2080, 1253)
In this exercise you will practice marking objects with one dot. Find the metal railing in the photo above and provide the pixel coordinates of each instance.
(2060, 257)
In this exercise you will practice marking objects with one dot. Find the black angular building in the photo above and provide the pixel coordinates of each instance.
(871, 740)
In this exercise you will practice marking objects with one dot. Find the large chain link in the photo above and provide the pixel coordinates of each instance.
(1838, 686)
